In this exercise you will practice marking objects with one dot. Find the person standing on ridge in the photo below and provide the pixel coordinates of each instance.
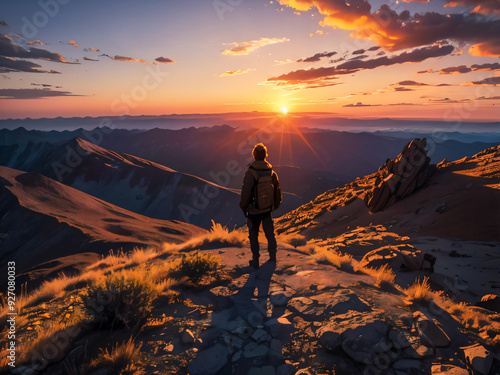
(260, 195)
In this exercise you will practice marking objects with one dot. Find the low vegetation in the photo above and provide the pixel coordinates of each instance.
(420, 293)
(384, 275)
(125, 356)
(323, 255)
(121, 299)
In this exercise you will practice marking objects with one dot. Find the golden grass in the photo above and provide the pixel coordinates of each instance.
(384, 275)
(420, 293)
(123, 298)
(294, 239)
(341, 261)
(194, 266)
(480, 321)
(218, 236)
(124, 356)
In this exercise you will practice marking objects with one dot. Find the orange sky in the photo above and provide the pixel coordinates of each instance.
(355, 59)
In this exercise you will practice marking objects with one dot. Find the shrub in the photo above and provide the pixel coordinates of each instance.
(194, 266)
(124, 298)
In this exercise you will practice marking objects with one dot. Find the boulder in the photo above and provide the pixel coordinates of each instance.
(275, 352)
(406, 364)
(367, 342)
(448, 370)
(187, 337)
(431, 334)
(280, 328)
(394, 256)
(253, 350)
(266, 370)
(478, 359)
(209, 361)
(328, 338)
(400, 176)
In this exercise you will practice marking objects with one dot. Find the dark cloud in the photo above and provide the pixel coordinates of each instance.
(487, 66)
(317, 56)
(352, 66)
(381, 53)
(403, 89)
(480, 6)
(10, 49)
(411, 83)
(164, 60)
(490, 81)
(359, 52)
(416, 55)
(45, 85)
(455, 70)
(3, 23)
(32, 93)
(89, 59)
(359, 104)
(374, 48)
(92, 50)
(12, 65)
(462, 69)
(488, 98)
(309, 75)
(125, 58)
(395, 31)
(360, 57)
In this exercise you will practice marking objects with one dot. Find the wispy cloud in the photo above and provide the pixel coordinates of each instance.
(123, 58)
(8, 64)
(32, 93)
(317, 57)
(479, 6)
(8, 48)
(36, 42)
(73, 43)
(231, 73)
(164, 60)
(462, 69)
(490, 81)
(244, 48)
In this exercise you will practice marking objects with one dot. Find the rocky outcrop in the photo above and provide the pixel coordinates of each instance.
(401, 176)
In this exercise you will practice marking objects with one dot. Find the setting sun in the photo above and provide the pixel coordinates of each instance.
(284, 110)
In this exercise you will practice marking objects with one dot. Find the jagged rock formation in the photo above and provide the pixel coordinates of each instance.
(401, 176)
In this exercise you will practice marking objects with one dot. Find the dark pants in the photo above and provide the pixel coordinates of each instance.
(253, 224)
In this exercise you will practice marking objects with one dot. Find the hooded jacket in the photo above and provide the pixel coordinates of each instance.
(262, 168)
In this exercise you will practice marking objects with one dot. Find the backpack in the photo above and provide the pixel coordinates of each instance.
(264, 191)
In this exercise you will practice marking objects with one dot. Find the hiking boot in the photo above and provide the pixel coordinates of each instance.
(254, 263)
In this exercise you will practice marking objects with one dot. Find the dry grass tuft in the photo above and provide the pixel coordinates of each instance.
(385, 276)
(123, 357)
(341, 261)
(194, 266)
(420, 293)
(218, 236)
(293, 239)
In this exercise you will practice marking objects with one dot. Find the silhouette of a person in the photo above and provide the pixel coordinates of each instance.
(255, 216)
